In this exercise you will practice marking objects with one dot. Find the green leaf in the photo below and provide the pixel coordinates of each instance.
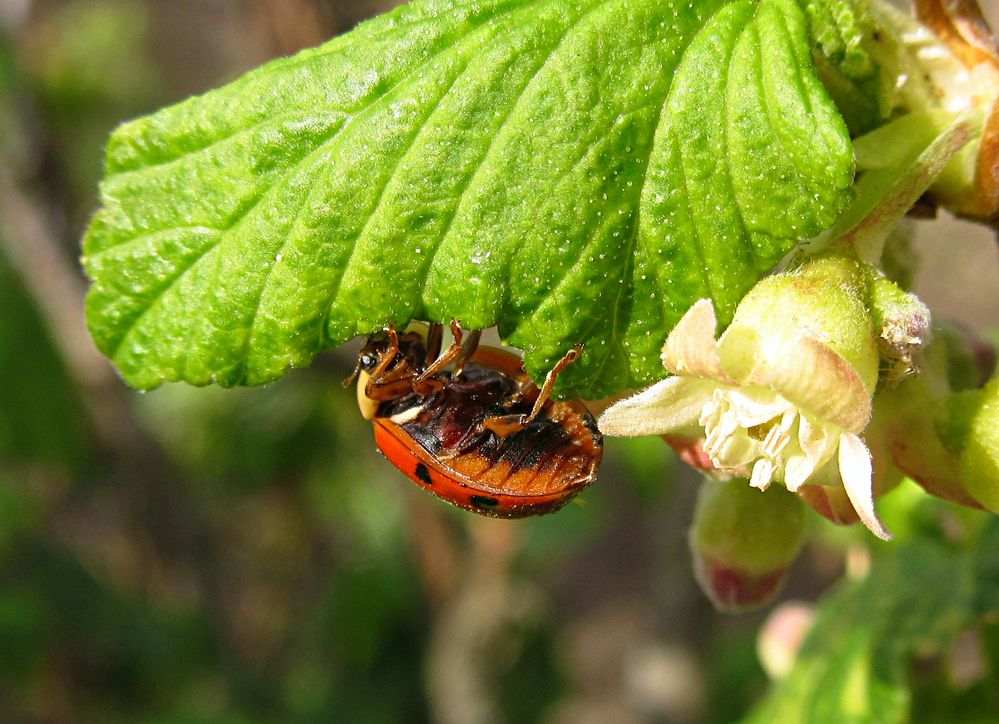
(570, 170)
(853, 667)
(844, 33)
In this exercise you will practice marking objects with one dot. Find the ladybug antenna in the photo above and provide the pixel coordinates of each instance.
(353, 375)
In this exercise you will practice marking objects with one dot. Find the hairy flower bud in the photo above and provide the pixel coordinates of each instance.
(946, 441)
(903, 325)
(979, 453)
(743, 541)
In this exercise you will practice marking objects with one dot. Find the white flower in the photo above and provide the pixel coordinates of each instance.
(772, 399)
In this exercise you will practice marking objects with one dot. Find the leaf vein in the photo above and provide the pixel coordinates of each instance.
(223, 235)
(731, 164)
(402, 157)
(306, 58)
(567, 270)
(463, 194)
(276, 120)
(168, 284)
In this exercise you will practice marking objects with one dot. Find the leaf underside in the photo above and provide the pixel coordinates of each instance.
(569, 170)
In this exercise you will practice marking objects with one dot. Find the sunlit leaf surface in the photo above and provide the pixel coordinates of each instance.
(571, 170)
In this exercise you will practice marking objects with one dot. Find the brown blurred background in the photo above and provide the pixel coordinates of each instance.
(199, 555)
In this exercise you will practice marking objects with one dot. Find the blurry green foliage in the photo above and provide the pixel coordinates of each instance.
(855, 665)
(57, 619)
(40, 414)
(87, 66)
(91, 53)
(250, 438)
(735, 675)
(6, 64)
(534, 681)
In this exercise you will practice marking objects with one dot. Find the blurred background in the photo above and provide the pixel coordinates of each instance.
(203, 555)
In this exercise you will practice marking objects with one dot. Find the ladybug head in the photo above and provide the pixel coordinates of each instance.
(368, 359)
(412, 350)
(387, 364)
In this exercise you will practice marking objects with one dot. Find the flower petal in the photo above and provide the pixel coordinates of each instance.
(817, 446)
(763, 474)
(691, 451)
(691, 348)
(858, 481)
(817, 380)
(797, 471)
(667, 407)
(753, 406)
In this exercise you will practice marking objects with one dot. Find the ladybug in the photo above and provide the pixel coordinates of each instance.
(471, 427)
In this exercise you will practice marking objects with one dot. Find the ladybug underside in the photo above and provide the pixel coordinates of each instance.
(555, 454)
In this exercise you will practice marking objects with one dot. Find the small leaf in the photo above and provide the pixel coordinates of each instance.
(571, 170)
(844, 35)
(918, 597)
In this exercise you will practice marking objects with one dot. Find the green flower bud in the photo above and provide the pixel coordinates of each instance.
(980, 453)
(905, 429)
(743, 541)
(823, 300)
(947, 442)
(903, 325)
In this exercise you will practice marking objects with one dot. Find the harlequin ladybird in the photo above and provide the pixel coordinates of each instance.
(471, 427)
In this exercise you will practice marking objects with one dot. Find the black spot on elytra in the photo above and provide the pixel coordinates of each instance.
(423, 475)
(591, 426)
(484, 501)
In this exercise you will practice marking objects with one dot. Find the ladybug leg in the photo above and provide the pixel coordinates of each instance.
(467, 351)
(426, 383)
(504, 425)
(379, 386)
(546, 389)
(435, 337)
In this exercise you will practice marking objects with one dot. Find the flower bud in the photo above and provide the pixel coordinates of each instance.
(903, 325)
(781, 637)
(824, 301)
(980, 450)
(743, 541)
(905, 428)
(947, 442)
(968, 359)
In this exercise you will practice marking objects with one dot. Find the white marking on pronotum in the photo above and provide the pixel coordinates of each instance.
(406, 415)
